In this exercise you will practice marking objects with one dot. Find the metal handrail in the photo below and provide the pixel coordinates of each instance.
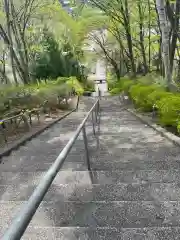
(99, 93)
(22, 220)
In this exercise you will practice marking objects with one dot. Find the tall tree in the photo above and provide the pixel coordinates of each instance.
(165, 30)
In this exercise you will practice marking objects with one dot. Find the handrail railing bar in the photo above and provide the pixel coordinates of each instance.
(21, 221)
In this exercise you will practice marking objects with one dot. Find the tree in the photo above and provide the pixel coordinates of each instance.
(18, 17)
(145, 35)
(165, 30)
(104, 48)
(119, 11)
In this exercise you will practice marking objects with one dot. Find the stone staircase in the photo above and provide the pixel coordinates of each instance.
(133, 191)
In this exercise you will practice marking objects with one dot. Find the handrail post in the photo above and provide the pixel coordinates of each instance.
(95, 113)
(93, 123)
(98, 107)
(77, 105)
(86, 147)
(99, 93)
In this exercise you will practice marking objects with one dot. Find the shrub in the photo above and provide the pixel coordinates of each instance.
(89, 86)
(111, 80)
(145, 94)
(61, 80)
(145, 80)
(139, 94)
(149, 78)
(169, 110)
(160, 80)
(122, 85)
(115, 91)
(31, 96)
(74, 83)
(126, 84)
(157, 95)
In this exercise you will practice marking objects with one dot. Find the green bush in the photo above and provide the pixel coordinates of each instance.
(146, 80)
(74, 83)
(145, 95)
(123, 84)
(126, 84)
(157, 95)
(89, 86)
(139, 94)
(111, 80)
(31, 96)
(115, 91)
(169, 110)
(61, 80)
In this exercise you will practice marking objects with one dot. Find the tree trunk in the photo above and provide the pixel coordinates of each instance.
(178, 73)
(128, 36)
(141, 37)
(6, 5)
(4, 76)
(149, 33)
(160, 4)
(174, 20)
(19, 34)
(14, 55)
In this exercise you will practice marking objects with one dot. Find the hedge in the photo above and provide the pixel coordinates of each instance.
(167, 104)
(111, 81)
(44, 90)
(146, 96)
(122, 85)
(74, 83)
(139, 94)
(169, 110)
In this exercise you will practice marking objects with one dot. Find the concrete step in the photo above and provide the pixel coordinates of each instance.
(42, 151)
(132, 192)
(73, 161)
(99, 177)
(33, 178)
(125, 214)
(41, 162)
(86, 103)
(81, 192)
(51, 148)
(136, 165)
(133, 154)
(108, 233)
(113, 165)
(106, 161)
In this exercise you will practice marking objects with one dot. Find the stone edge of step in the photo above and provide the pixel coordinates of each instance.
(93, 233)
(146, 120)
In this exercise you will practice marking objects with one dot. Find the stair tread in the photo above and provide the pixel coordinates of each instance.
(78, 163)
(136, 180)
(104, 162)
(127, 214)
(99, 177)
(142, 191)
(83, 233)
(131, 165)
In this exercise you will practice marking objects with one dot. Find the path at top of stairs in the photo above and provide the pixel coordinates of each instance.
(133, 191)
